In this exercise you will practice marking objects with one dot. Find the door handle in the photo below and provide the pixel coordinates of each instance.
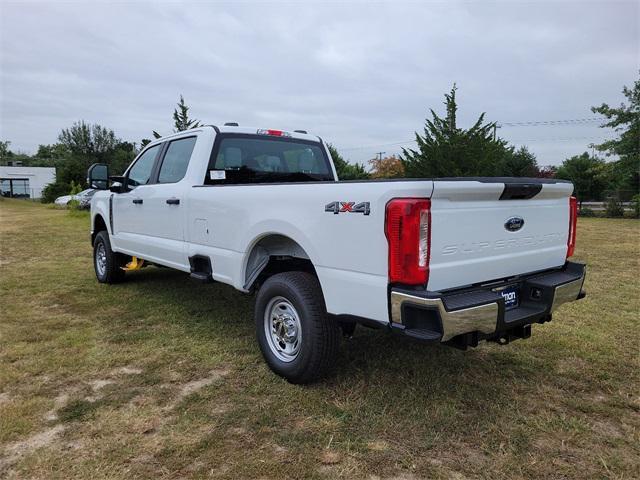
(173, 201)
(137, 201)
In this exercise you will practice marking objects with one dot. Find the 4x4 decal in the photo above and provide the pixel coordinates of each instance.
(348, 207)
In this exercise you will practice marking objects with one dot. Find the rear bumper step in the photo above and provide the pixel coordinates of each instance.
(462, 318)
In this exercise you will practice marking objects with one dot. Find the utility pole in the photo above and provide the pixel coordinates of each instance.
(379, 155)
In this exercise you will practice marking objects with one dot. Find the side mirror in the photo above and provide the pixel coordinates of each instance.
(119, 184)
(98, 176)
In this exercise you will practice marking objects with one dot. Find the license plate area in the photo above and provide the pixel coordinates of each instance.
(510, 294)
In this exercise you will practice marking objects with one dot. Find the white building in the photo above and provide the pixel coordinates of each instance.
(25, 182)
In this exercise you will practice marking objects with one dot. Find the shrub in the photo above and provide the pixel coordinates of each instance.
(613, 208)
(73, 205)
(635, 204)
(53, 191)
(586, 212)
(75, 188)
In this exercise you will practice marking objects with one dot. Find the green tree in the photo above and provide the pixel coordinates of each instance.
(78, 147)
(445, 150)
(47, 156)
(5, 152)
(181, 121)
(625, 119)
(590, 176)
(344, 169)
(7, 155)
(122, 155)
(519, 163)
(181, 117)
(88, 142)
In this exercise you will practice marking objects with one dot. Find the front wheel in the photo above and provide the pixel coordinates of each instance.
(106, 262)
(298, 340)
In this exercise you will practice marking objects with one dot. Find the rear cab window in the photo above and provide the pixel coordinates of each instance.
(240, 158)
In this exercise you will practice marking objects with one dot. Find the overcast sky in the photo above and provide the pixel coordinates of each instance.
(362, 75)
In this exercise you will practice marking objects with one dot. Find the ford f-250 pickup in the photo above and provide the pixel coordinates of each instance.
(446, 260)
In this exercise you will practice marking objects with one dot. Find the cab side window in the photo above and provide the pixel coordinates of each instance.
(176, 160)
(140, 172)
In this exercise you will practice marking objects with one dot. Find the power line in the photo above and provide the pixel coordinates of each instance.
(560, 139)
(549, 139)
(379, 145)
(536, 123)
(532, 123)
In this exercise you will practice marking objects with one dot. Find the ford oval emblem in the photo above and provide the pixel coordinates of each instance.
(514, 224)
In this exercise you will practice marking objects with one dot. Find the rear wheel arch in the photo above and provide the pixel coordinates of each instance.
(272, 254)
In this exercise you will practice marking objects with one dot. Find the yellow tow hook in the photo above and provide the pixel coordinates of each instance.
(135, 264)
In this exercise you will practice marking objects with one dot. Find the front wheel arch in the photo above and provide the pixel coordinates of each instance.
(99, 225)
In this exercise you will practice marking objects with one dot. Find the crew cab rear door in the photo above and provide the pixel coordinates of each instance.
(491, 229)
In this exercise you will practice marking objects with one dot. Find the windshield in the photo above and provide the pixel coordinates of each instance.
(251, 159)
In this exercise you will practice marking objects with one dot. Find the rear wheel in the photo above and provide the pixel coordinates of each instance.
(106, 262)
(298, 340)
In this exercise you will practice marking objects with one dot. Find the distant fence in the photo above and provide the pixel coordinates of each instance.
(601, 206)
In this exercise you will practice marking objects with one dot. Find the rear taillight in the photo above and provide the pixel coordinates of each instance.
(408, 231)
(573, 220)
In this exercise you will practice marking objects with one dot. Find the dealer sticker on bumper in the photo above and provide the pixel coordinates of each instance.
(510, 295)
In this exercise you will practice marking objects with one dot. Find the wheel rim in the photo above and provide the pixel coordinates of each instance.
(101, 259)
(282, 329)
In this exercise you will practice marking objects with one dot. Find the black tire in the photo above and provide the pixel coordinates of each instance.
(320, 336)
(112, 271)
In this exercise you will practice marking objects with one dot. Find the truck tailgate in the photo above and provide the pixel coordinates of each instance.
(474, 229)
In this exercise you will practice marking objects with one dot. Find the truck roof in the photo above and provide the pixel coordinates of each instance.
(239, 129)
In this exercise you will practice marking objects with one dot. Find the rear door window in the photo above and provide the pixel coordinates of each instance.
(176, 160)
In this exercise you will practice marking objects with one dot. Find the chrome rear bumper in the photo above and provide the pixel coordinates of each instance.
(481, 311)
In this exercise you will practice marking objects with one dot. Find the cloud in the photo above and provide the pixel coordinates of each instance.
(360, 74)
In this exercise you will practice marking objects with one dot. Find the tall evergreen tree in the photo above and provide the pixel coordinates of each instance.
(445, 150)
(181, 117)
(181, 121)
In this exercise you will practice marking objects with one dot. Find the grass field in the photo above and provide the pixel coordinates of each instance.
(161, 377)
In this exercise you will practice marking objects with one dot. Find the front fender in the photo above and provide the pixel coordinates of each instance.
(100, 208)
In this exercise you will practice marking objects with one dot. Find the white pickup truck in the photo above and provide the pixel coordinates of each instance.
(447, 260)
